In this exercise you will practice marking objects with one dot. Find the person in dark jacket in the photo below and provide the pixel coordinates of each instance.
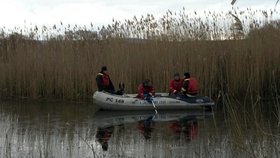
(104, 82)
(175, 85)
(145, 90)
(190, 85)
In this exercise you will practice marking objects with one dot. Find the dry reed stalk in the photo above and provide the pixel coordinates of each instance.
(64, 66)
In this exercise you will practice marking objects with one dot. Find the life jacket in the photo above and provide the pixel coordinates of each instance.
(175, 85)
(193, 86)
(148, 90)
(105, 79)
(142, 90)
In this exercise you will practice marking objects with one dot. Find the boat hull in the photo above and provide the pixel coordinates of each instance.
(109, 101)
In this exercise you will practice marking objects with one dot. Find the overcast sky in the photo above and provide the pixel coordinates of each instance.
(83, 12)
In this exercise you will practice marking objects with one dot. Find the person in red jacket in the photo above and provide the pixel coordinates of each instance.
(175, 85)
(104, 82)
(190, 85)
(145, 90)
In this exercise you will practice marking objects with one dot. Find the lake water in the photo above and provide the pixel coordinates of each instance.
(79, 130)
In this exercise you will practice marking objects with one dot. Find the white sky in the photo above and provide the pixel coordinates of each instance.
(99, 12)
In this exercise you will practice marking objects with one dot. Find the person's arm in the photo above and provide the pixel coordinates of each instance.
(140, 92)
(153, 91)
(185, 86)
(99, 83)
(181, 84)
(171, 89)
(111, 85)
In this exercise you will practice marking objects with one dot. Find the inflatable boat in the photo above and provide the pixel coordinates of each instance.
(161, 101)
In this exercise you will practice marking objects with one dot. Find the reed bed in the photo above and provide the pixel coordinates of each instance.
(235, 53)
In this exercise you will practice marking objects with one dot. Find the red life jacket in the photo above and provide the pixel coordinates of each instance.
(175, 85)
(105, 79)
(193, 86)
(141, 90)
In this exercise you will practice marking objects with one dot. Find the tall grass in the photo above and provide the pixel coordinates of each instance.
(235, 52)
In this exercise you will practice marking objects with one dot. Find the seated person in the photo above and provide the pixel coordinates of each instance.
(145, 90)
(190, 85)
(104, 82)
(175, 85)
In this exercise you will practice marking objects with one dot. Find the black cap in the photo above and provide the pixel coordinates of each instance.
(103, 68)
(187, 75)
(176, 74)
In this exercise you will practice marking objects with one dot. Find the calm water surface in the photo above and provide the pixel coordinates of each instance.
(79, 130)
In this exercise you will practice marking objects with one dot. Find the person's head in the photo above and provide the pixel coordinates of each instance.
(176, 76)
(147, 83)
(104, 69)
(187, 75)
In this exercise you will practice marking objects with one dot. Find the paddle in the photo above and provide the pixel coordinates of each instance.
(154, 105)
(149, 98)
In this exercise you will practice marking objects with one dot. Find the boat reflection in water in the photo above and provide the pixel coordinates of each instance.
(103, 135)
(188, 126)
(179, 125)
(146, 126)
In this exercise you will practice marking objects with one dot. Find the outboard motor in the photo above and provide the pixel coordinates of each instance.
(121, 89)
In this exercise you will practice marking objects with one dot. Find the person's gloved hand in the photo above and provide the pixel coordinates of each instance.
(146, 96)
